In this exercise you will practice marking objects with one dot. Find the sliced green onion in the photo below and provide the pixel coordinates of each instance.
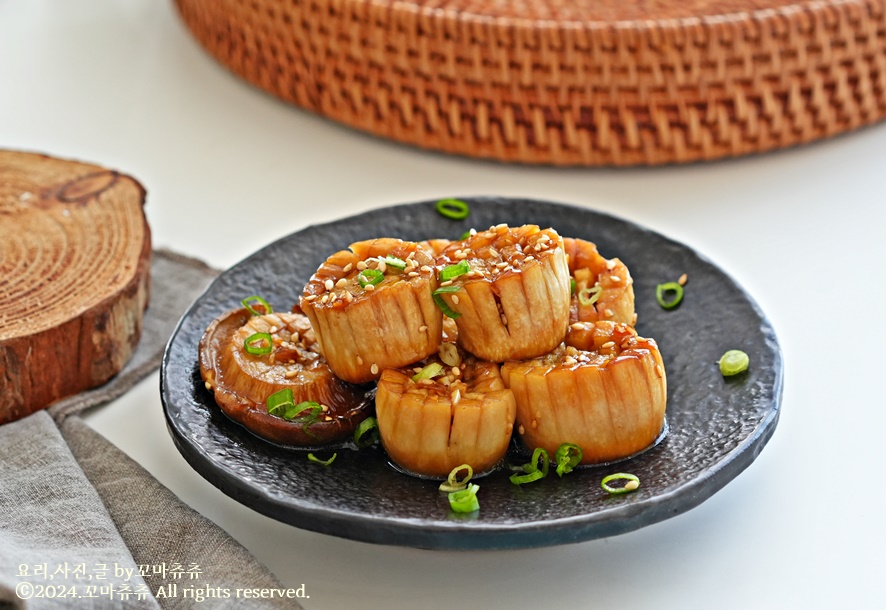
(453, 271)
(734, 362)
(532, 470)
(453, 483)
(258, 344)
(568, 456)
(313, 409)
(571, 286)
(316, 460)
(466, 235)
(247, 303)
(589, 296)
(456, 209)
(465, 501)
(428, 372)
(438, 299)
(632, 483)
(279, 402)
(520, 479)
(370, 276)
(366, 433)
(393, 261)
(662, 289)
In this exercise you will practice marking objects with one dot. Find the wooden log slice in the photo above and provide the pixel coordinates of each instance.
(75, 253)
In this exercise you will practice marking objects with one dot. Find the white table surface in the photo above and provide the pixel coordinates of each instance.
(229, 169)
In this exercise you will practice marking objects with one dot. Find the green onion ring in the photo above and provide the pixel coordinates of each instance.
(257, 338)
(247, 304)
(316, 460)
(589, 296)
(520, 479)
(674, 287)
(393, 261)
(370, 276)
(620, 476)
(444, 307)
(453, 271)
(454, 209)
(452, 481)
(368, 426)
(465, 501)
(428, 372)
(294, 413)
(734, 362)
(279, 401)
(532, 470)
(568, 456)
(572, 285)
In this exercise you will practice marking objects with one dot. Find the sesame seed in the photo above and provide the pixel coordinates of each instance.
(349, 297)
(501, 265)
(290, 374)
(413, 274)
(577, 326)
(324, 407)
(610, 264)
(455, 299)
(534, 424)
(327, 418)
(359, 361)
(608, 344)
(416, 369)
(460, 255)
(382, 266)
(568, 360)
(683, 279)
(501, 226)
(348, 267)
(329, 284)
(411, 256)
(361, 265)
(422, 328)
(446, 283)
(631, 485)
(456, 371)
(369, 287)
(615, 278)
(311, 297)
(208, 385)
(521, 429)
(608, 313)
(529, 258)
(374, 369)
(341, 282)
(426, 269)
(493, 251)
(325, 298)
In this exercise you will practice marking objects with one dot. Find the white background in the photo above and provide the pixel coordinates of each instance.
(229, 169)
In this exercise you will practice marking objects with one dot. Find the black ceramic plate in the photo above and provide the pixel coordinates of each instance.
(717, 426)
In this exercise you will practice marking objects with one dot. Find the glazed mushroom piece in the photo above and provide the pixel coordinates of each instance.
(508, 291)
(371, 307)
(604, 289)
(604, 390)
(286, 358)
(443, 413)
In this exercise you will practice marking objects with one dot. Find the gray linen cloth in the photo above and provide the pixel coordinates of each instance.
(79, 517)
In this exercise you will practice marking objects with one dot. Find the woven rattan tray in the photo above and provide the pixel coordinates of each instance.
(566, 82)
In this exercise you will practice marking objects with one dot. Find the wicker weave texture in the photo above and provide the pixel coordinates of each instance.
(454, 76)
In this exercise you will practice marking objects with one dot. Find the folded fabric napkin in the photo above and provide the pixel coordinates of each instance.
(84, 526)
